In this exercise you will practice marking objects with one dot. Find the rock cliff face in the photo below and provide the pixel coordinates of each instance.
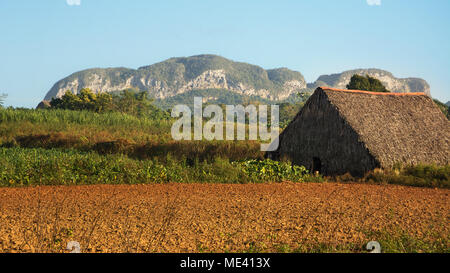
(43, 105)
(179, 75)
(392, 83)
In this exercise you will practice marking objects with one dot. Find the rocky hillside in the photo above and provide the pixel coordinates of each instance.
(179, 75)
(392, 83)
(176, 77)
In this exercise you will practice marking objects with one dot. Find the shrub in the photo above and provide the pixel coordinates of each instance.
(128, 102)
(413, 175)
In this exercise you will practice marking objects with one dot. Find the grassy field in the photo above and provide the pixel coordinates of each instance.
(62, 147)
(79, 128)
(119, 148)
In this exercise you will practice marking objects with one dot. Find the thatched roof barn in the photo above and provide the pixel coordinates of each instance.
(340, 131)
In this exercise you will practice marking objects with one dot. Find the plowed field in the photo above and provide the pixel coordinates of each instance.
(220, 217)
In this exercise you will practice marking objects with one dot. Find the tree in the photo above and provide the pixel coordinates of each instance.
(129, 101)
(126, 102)
(104, 102)
(367, 83)
(444, 108)
(84, 100)
(88, 99)
(68, 101)
(137, 103)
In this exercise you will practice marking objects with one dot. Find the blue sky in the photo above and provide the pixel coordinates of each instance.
(42, 41)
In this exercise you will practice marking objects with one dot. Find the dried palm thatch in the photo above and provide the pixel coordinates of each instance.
(340, 131)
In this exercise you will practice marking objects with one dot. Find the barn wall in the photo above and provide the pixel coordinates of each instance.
(319, 132)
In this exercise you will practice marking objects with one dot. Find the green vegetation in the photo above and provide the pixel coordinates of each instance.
(397, 241)
(418, 176)
(268, 170)
(91, 145)
(402, 242)
(444, 108)
(393, 240)
(237, 72)
(282, 75)
(290, 108)
(25, 167)
(85, 127)
(128, 102)
(367, 83)
(61, 146)
(138, 104)
(82, 140)
(214, 96)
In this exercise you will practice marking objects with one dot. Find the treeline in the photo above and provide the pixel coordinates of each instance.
(139, 104)
(129, 101)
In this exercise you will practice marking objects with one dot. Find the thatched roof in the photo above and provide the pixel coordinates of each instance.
(395, 127)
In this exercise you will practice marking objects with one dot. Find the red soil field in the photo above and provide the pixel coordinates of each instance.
(216, 217)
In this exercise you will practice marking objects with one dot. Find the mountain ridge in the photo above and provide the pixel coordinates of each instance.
(179, 75)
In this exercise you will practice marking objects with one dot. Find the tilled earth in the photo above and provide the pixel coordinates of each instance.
(216, 217)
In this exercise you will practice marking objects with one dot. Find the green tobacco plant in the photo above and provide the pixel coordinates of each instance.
(29, 166)
(275, 171)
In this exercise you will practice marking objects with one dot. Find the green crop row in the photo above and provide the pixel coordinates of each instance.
(26, 167)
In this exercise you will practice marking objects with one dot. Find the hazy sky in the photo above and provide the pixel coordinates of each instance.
(43, 41)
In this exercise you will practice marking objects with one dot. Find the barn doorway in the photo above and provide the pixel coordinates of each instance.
(317, 165)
